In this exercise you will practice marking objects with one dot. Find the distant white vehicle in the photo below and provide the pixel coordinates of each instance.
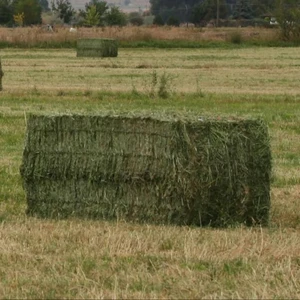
(72, 29)
(273, 21)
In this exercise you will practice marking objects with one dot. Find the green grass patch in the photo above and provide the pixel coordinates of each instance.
(160, 44)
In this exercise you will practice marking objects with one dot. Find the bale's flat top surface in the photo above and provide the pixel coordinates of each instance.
(146, 115)
(94, 42)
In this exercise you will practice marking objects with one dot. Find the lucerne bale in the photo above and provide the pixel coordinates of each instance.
(97, 48)
(155, 169)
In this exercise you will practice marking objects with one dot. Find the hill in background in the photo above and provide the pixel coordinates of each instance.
(125, 5)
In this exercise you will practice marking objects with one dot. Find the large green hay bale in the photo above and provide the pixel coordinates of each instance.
(97, 48)
(148, 169)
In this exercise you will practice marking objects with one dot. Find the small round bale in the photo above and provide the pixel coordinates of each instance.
(97, 48)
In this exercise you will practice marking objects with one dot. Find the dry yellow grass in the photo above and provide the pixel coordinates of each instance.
(33, 35)
(71, 259)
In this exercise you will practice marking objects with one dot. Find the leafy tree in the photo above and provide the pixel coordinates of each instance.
(100, 6)
(196, 11)
(173, 21)
(45, 5)
(64, 9)
(158, 20)
(207, 10)
(115, 17)
(200, 11)
(31, 9)
(288, 17)
(243, 10)
(136, 19)
(92, 17)
(157, 5)
(262, 7)
(6, 12)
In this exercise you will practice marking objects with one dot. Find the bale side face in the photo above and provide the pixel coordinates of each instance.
(148, 170)
(97, 48)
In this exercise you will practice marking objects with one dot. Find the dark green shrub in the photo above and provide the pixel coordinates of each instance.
(158, 20)
(235, 37)
(172, 21)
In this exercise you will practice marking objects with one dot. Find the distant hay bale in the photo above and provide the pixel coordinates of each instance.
(97, 48)
(163, 170)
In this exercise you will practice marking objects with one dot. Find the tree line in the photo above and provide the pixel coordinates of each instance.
(199, 12)
(29, 12)
(21, 11)
(170, 12)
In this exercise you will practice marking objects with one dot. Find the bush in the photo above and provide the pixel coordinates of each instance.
(115, 17)
(235, 37)
(288, 17)
(137, 21)
(158, 20)
(172, 21)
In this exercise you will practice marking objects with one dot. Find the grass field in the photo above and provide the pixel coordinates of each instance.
(96, 259)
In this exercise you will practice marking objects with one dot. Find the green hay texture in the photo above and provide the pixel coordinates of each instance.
(162, 170)
(97, 48)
